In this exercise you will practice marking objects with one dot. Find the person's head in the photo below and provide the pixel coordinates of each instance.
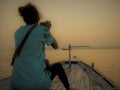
(29, 13)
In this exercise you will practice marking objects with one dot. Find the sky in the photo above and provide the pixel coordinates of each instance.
(75, 22)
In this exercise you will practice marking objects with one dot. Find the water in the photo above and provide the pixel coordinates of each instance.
(107, 61)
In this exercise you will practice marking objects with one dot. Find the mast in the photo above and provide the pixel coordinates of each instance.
(69, 48)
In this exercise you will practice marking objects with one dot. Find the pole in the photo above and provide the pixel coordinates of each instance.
(69, 47)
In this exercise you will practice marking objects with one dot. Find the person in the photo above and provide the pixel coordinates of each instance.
(30, 69)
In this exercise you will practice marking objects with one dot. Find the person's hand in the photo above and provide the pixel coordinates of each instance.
(47, 24)
(47, 62)
(48, 65)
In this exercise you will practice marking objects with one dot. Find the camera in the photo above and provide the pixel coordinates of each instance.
(46, 24)
(43, 24)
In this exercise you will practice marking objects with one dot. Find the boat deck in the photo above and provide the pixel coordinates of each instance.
(77, 77)
(80, 76)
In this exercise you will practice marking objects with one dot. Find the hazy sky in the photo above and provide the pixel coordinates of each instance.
(76, 22)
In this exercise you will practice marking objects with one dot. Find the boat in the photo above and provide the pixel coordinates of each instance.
(80, 75)
(83, 77)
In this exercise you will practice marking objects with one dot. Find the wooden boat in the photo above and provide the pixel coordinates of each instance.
(80, 75)
(83, 77)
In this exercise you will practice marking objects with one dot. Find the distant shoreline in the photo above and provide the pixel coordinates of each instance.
(95, 47)
(98, 48)
(81, 48)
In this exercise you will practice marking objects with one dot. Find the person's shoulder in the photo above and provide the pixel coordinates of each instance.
(19, 29)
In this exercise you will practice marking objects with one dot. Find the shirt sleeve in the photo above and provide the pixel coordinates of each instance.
(48, 38)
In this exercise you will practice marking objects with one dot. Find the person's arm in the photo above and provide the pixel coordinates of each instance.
(54, 44)
(48, 25)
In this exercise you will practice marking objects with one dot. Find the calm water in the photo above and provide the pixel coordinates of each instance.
(107, 61)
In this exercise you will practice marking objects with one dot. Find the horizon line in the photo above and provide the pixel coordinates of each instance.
(81, 47)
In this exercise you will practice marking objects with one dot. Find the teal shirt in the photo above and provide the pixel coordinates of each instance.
(29, 71)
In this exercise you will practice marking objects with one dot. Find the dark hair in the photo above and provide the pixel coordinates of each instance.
(29, 13)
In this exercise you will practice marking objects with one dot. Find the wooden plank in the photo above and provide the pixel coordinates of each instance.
(77, 78)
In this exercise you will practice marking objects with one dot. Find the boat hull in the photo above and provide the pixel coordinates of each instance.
(80, 75)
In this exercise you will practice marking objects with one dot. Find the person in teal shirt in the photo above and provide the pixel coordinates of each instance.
(30, 71)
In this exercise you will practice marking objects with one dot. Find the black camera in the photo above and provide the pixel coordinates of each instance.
(43, 23)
